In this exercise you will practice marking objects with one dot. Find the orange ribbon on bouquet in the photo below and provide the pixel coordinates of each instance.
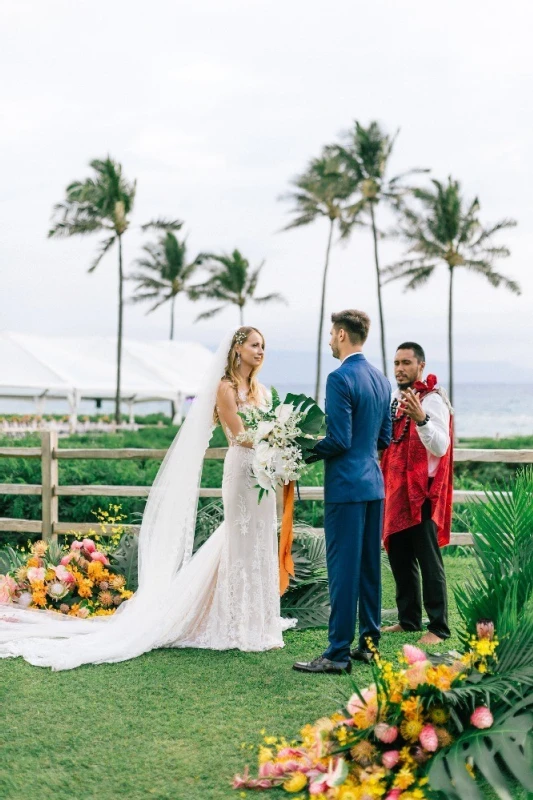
(286, 564)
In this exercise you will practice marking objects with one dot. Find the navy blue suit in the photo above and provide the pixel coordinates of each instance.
(358, 423)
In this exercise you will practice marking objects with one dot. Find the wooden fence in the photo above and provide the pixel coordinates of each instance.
(50, 490)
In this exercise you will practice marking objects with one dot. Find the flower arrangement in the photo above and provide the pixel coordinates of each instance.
(281, 435)
(385, 741)
(78, 580)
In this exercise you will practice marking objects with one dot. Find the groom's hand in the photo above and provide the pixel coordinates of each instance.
(410, 403)
(312, 458)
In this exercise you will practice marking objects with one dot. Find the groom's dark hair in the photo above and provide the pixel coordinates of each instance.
(416, 348)
(355, 323)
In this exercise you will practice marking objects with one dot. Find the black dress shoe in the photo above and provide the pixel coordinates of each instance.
(365, 656)
(322, 664)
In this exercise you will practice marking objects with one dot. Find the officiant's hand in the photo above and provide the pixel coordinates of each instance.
(410, 403)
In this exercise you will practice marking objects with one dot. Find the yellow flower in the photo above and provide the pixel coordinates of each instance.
(39, 597)
(412, 794)
(441, 677)
(439, 716)
(95, 570)
(349, 793)
(404, 779)
(482, 667)
(85, 587)
(411, 708)
(410, 729)
(32, 562)
(470, 770)
(295, 783)
(126, 594)
(406, 757)
(49, 575)
(265, 754)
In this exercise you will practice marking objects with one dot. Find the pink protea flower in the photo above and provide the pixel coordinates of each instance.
(416, 673)
(485, 629)
(390, 758)
(88, 545)
(355, 703)
(482, 718)
(66, 559)
(96, 555)
(413, 654)
(428, 738)
(291, 752)
(36, 574)
(63, 574)
(386, 733)
(8, 587)
(318, 786)
(76, 545)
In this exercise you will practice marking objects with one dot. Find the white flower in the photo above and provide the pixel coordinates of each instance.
(283, 412)
(263, 454)
(25, 599)
(57, 590)
(264, 480)
(263, 430)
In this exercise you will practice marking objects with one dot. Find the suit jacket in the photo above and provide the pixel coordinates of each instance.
(358, 423)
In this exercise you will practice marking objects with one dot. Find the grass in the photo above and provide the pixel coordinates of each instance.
(169, 724)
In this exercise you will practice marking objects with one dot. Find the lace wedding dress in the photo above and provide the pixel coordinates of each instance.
(225, 596)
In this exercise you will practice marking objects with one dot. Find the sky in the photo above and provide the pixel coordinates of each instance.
(214, 106)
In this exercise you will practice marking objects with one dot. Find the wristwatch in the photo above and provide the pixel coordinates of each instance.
(424, 421)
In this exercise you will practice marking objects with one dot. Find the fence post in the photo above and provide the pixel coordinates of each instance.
(49, 480)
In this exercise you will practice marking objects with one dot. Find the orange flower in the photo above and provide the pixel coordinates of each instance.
(411, 707)
(32, 562)
(441, 677)
(85, 587)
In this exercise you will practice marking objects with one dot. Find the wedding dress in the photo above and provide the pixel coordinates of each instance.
(225, 596)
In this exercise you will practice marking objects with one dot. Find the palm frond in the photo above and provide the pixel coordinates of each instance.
(162, 224)
(106, 245)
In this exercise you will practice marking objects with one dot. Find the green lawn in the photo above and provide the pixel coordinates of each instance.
(167, 725)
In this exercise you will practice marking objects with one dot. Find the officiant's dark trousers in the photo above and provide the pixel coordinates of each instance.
(409, 550)
(353, 544)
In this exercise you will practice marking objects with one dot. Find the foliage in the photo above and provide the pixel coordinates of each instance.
(307, 597)
(231, 282)
(164, 273)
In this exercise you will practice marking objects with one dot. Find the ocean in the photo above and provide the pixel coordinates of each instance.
(481, 409)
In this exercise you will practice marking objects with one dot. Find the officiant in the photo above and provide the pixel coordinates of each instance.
(418, 473)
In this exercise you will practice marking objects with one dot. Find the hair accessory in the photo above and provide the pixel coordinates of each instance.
(240, 337)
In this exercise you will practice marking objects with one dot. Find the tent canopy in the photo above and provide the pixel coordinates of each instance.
(85, 367)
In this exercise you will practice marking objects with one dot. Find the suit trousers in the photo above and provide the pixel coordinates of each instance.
(410, 550)
(353, 545)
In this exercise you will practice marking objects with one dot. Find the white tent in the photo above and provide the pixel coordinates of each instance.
(41, 367)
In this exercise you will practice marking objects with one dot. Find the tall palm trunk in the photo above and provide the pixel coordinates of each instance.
(119, 337)
(321, 321)
(172, 306)
(378, 277)
(241, 315)
(450, 336)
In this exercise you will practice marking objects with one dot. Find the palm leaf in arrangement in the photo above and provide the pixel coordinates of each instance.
(10, 559)
(307, 597)
(506, 742)
(126, 559)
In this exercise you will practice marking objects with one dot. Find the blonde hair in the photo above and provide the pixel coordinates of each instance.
(231, 374)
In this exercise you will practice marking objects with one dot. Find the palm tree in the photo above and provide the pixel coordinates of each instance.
(164, 272)
(232, 282)
(365, 157)
(321, 191)
(101, 203)
(448, 231)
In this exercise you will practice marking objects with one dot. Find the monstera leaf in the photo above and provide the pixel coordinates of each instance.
(502, 754)
(314, 416)
(10, 560)
(126, 559)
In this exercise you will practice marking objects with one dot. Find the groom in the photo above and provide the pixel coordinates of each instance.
(358, 423)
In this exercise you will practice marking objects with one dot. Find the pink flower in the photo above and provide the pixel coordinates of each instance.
(63, 574)
(97, 556)
(386, 733)
(428, 738)
(390, 758)
(25, 600)
(83, 612)
(36, 574)
(89, 545)
(394, 794)
(319, 786)
(76, 545)
(8, 587)
(291, 752)
(485, 629)
(482, 718)
(66, 559)
(413, 654)
(416, 674)
(355, 703)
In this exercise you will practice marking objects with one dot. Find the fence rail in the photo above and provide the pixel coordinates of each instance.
(50, 489)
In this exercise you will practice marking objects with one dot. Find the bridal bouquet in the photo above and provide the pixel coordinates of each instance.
(282, 437)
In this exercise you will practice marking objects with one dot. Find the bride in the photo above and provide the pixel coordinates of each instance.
(226, 595)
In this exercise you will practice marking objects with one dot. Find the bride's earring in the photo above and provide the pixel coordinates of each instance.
(238, 359)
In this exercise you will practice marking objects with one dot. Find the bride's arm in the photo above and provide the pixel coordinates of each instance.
(228, 413)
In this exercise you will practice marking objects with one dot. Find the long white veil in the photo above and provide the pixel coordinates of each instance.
(151, 618)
